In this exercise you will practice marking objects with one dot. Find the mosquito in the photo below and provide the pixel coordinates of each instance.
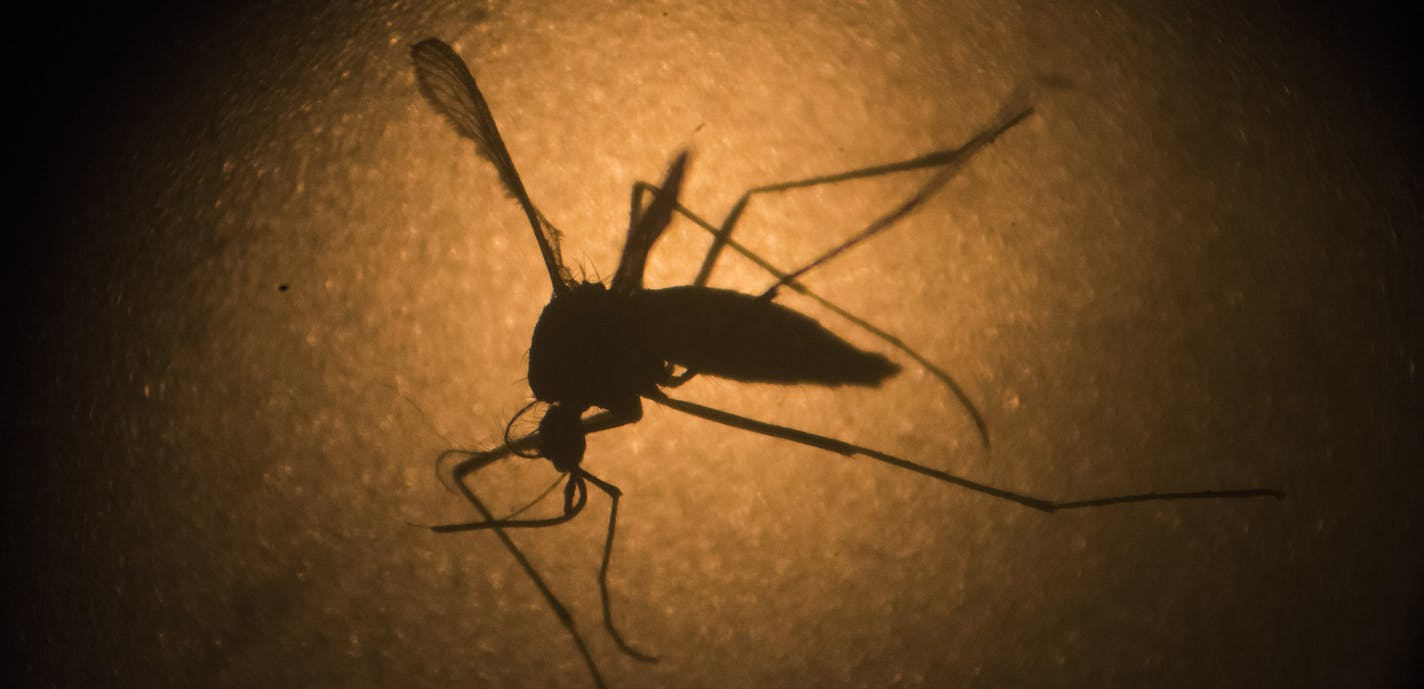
(611, 346)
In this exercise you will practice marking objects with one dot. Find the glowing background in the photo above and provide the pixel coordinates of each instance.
(1191, 269)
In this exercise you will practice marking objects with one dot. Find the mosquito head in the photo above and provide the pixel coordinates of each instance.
(561, 438)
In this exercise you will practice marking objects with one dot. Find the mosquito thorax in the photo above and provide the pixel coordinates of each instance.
(587, 351)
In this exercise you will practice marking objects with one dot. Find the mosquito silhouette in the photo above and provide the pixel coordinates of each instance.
(611, 346)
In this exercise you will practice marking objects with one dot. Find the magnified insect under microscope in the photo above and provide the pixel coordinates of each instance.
(611, 346)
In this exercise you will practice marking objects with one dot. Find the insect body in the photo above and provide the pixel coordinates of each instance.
(595, 347)
(610, 347)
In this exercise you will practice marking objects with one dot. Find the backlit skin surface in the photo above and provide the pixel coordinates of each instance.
(1190, 269)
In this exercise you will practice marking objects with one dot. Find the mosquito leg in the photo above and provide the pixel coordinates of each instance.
(614, 493)
(538, 499)
(575, 498)
(951, 162)
(552, 600)
(635, 204)
(1009, 117)
(478, 460)
(679, 379)
(602, 421)
(848, 449)
(785, 279)
(950, 159)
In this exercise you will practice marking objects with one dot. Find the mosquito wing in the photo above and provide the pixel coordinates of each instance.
(647, 229)
(446, 82)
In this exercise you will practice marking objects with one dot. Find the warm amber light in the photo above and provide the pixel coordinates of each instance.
(282, 285)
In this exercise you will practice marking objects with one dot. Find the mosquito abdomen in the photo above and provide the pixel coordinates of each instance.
(733, 335)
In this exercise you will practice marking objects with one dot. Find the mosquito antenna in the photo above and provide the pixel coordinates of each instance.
(510, 426)
(844, 448)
